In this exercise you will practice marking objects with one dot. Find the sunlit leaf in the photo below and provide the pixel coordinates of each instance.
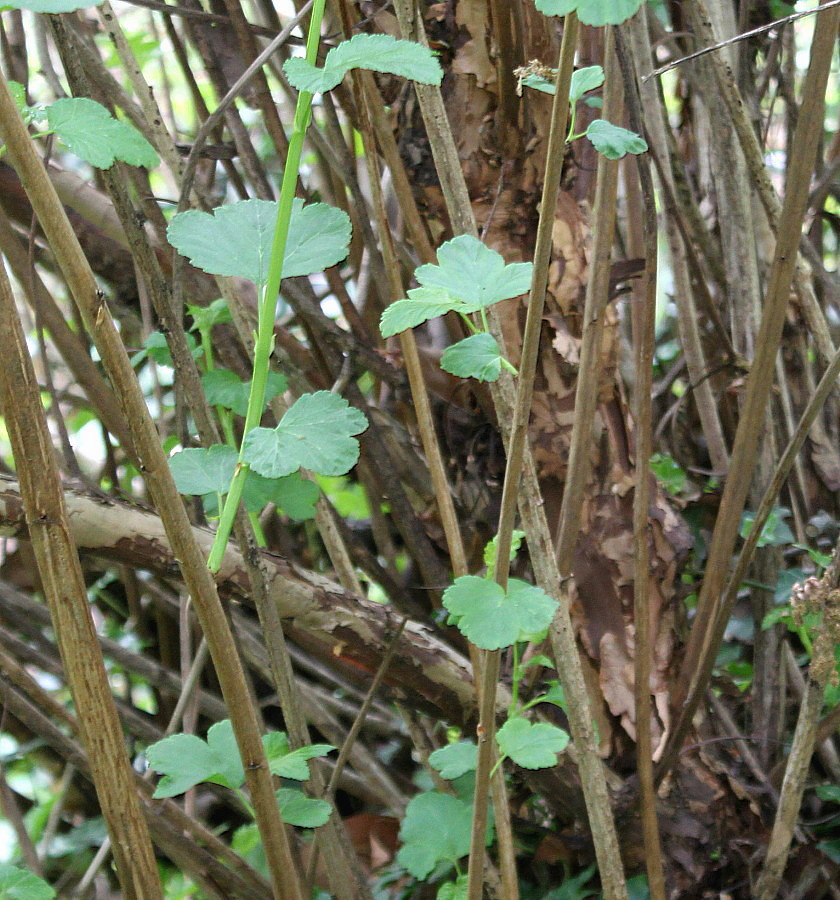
(436, 827)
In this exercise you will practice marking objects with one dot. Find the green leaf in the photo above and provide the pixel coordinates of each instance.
(492, 618)
(186, 760)
(156, 348)
(573, 888)
(468, 277)
(205, 317)
(92, 133)
(474, 274)
(592, 12)
(532, 745)
(776, 531)
(298, 809)
(454, 890)
(455, 760)
(831, 850)
(539, 83)
(422, 304)
(288, 763)
(294, 494)
(227, 389)
(378, 52)
(236, 239)
(50, 6)
(18, 884)
(555, 694)
(200, 470)
(491, 549)
(436, 828)
(614, 142)
(828, 792)
(477, 356)
(585, 80)
(668, 472)
(316, 433)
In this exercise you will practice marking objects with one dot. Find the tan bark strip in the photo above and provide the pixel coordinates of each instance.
(162, 488)
(64, 588)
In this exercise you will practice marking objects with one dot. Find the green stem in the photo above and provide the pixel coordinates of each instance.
(268, 298)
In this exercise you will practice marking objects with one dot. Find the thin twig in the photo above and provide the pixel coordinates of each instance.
(739, 37)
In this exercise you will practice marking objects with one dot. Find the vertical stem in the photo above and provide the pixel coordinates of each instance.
(268, 299)
(518, 438)
(644, 338)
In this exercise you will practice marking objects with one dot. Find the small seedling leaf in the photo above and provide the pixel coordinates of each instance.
(436, 827)
(585, 80)
(92, 133)
(592, 12)
(316, 433)
(377, 52)
(298, 809)
(236, 239)
(227, 389)
(477, 356)
(492, 618)
(200, 470)
(186, 760)
(613, 141)
(18, 884)
(532, 745)
(455, 760)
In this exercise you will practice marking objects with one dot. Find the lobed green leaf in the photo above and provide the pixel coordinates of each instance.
(613, 141)
(491, 618)
(592, 12)
(185, 760)
(316, 433)
(227, 389)
(236, 239)
(377, 52)
(436, 828)
(455, 760)
(298, 809)
(92, 133)
(477, 356)
(19, 884)
(532, 745)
